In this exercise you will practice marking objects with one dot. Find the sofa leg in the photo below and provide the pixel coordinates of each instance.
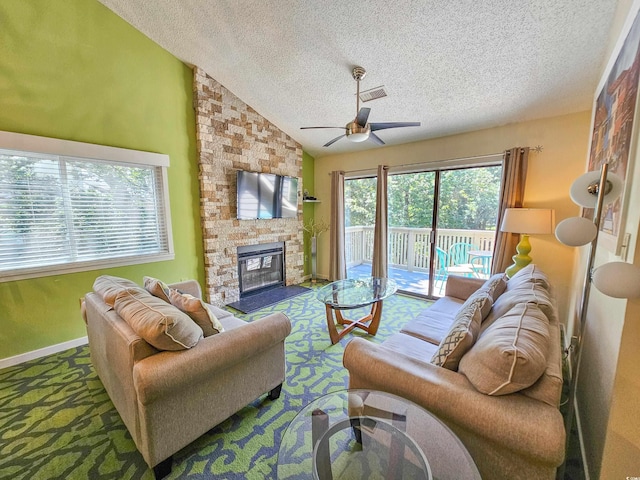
(275, 393)
(163, 469)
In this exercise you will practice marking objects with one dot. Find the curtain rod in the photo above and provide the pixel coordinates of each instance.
(536, 149)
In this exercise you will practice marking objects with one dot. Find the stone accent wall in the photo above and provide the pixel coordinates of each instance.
(232, 136)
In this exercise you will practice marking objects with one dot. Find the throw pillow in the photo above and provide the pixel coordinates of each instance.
(495, 286)
(460, 338)
(480, 298)
(158, 323)
(511, 354)
(157, 288)
(197, 310)
(108, 287)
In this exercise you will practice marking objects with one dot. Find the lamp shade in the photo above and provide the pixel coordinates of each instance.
(528, 220)
(584, 193)
(576, 231)
(617, 279)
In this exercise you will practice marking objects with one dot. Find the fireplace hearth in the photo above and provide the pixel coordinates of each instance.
(260, 267)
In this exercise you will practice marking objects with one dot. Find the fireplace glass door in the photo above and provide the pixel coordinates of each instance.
(260, 268)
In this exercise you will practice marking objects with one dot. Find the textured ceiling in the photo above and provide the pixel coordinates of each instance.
(455, 66)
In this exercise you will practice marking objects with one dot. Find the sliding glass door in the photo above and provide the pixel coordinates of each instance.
(441, 223)
(359, 218)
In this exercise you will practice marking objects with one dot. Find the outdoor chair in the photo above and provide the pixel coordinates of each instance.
(445, 267)
(459, 256)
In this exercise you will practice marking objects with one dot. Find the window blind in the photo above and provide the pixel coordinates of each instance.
(59, 212)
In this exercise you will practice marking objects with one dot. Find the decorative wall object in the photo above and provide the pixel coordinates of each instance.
(613, 118)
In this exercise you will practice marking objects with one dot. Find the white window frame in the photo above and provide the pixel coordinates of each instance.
(91, 152)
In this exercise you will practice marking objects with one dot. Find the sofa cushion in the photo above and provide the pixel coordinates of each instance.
(461, 336)
(529, 274)
(511, 354)
(548, 388)
(434, 323)
(157, 288)
(108, 287)
(524, 293)
(197, 310)
(157, 322)
(428, 326)
(410, 346)
(219, 312)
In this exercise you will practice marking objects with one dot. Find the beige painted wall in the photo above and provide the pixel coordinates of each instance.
(564, 140)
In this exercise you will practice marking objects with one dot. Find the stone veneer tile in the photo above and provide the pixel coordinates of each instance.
(232, 136)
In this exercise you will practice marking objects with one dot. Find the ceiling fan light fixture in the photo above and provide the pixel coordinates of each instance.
(358, 137)
(359, 129)
(356, 133)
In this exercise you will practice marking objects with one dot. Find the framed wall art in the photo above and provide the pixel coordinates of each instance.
(612, 134)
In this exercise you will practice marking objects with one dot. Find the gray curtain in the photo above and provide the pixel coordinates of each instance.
(337, 255)
(379, 262)
(514, 176)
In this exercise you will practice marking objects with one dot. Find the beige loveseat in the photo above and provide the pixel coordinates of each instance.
(171, 395)
(502, 384)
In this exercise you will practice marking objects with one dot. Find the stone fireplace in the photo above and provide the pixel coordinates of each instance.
(232, 136)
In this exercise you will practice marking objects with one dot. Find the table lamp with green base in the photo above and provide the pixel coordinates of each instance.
(527, 221)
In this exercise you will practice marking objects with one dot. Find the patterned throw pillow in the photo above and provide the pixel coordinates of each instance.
(158, 323)
(460, 338)
(157, 288)
(495, 286)
(197, 310)
(482, 299)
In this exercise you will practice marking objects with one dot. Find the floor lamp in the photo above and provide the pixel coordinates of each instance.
(615, 279)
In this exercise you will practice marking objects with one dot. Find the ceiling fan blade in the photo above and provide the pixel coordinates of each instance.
(375, 139)
(333, 141)
(382, 126)
(362, 117)
(306, 128)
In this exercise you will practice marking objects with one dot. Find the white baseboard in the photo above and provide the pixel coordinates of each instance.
(42, 352)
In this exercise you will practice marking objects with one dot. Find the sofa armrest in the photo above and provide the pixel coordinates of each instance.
(531, 428)
(169, 371)
(462, 287)
(192, 287)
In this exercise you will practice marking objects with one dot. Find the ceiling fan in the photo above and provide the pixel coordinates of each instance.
(358, 130)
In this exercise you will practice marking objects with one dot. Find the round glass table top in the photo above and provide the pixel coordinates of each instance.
(356, 292)
(354, 434)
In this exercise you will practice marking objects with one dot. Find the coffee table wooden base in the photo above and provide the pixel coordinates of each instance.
(369, 323)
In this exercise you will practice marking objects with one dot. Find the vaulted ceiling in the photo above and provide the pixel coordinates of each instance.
(454, 66)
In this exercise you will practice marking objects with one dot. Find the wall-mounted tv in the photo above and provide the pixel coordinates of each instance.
(265, 195)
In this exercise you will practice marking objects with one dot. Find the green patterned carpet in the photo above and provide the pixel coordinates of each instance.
(56, 420)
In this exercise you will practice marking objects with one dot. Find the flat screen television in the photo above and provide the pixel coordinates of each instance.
(265, 195)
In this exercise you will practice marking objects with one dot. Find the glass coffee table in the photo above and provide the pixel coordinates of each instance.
(354, 293)
(366, 434)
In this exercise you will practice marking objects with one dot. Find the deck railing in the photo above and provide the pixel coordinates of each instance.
(409, 247)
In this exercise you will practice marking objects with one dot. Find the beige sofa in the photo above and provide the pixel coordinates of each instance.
(501, 394)
(169, 398)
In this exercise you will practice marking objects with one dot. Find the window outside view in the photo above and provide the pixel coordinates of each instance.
(58, 211)
(466, 225)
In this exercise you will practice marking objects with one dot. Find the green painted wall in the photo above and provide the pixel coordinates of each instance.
(307, 208)
(74, 70)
